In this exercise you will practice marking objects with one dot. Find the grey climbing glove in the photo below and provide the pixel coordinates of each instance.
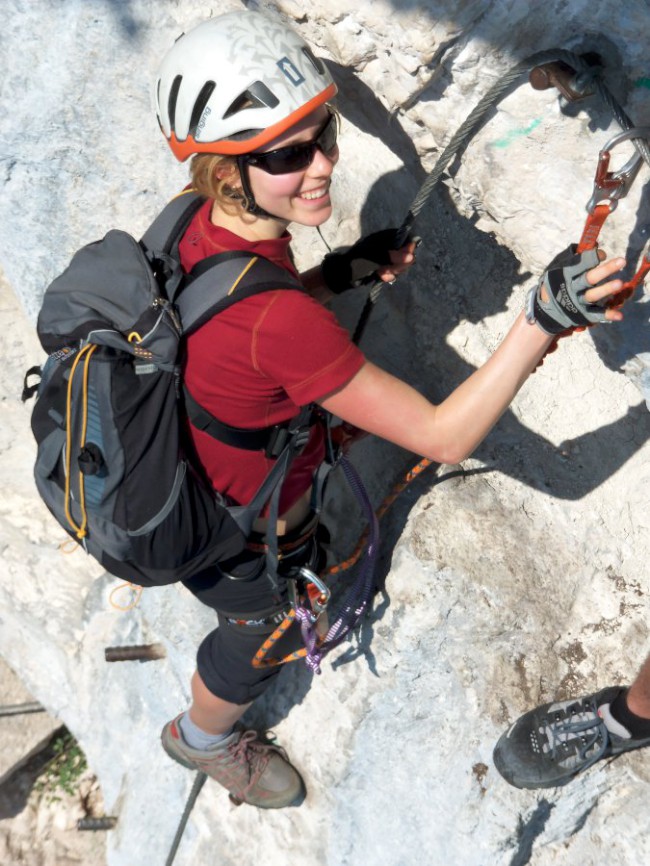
(358, 265)
(565, 283)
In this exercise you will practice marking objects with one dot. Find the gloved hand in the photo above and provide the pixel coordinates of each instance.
(358, 266)
(557, 303)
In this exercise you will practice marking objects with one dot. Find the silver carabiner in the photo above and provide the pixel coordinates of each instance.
(610, 186)
(308, 576)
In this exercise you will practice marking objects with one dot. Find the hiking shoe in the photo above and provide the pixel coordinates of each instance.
(252, 771)
(548, 746)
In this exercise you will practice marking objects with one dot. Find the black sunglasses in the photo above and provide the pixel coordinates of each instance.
(295, 157)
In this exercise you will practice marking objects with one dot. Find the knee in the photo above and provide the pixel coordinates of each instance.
(225, 662)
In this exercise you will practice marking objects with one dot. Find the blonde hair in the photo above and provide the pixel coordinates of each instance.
(212, 175)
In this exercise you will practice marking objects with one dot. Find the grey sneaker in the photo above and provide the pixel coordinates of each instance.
(548, 746)
(252, 771)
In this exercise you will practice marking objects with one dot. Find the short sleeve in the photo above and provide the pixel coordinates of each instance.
(299, 344)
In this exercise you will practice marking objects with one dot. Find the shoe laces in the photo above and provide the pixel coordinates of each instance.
(250, 751)
(581, 728)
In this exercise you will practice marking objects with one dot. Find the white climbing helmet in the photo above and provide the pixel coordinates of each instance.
(236, 82)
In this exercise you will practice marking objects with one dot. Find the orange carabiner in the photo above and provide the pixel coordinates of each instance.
(610, 186)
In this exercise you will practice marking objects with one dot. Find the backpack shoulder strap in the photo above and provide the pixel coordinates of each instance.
(244, 515)
(223, 279)
(165, 232)
(214, 284)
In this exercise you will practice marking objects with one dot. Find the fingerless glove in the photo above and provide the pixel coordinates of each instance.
(358, 265)
(565, 283)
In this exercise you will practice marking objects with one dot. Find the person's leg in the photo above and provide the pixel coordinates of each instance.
(212, 714)
(549, 745)
(638, 697)
(208, 737)
(210, 718)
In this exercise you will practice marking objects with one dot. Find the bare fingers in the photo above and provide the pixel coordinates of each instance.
(401, 260)
(606, 291)
(604, 270)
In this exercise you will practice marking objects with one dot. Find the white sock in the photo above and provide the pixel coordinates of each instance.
(197, 738)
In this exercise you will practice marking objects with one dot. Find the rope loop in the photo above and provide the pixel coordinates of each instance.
(134, 600)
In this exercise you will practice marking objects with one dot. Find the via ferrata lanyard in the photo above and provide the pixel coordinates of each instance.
(609, 188)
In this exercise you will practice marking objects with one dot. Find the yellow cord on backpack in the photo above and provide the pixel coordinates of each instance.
(86, 354)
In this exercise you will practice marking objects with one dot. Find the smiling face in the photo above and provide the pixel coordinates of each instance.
(298, 196)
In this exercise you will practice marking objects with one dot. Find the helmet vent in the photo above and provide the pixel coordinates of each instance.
(316, 62)
(199, 106)
(171, 102)
(258, 95)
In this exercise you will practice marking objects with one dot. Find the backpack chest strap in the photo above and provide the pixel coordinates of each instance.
(271, 440)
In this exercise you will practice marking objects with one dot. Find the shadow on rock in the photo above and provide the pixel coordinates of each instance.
(18, 785)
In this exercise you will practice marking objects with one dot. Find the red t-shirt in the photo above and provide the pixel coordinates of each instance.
(258, 362)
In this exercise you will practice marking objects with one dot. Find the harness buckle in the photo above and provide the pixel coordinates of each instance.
(278, 439)
(611, 186)
(298, 430)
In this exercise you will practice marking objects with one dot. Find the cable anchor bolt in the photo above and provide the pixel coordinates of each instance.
(560, 75)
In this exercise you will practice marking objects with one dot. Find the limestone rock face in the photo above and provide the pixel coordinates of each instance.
(512, 579)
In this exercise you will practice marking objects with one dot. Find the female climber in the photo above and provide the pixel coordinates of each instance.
(247, 100)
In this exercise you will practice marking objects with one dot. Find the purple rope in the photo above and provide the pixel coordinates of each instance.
(308, 632)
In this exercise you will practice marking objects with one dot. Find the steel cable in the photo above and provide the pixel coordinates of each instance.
(498, 91)
(586, 75)
(198, 783)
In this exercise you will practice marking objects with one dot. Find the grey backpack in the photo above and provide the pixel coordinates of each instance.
(113, 465)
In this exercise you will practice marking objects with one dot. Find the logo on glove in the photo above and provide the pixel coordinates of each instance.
(564, 299)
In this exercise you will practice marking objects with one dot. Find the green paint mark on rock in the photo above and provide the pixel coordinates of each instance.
(514, 134)
(642, 82)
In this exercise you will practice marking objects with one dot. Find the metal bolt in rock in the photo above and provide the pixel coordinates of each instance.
(106, 822)
(22, 709)
(142, 652)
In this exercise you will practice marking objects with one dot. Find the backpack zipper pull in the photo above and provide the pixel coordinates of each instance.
(170, 310)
